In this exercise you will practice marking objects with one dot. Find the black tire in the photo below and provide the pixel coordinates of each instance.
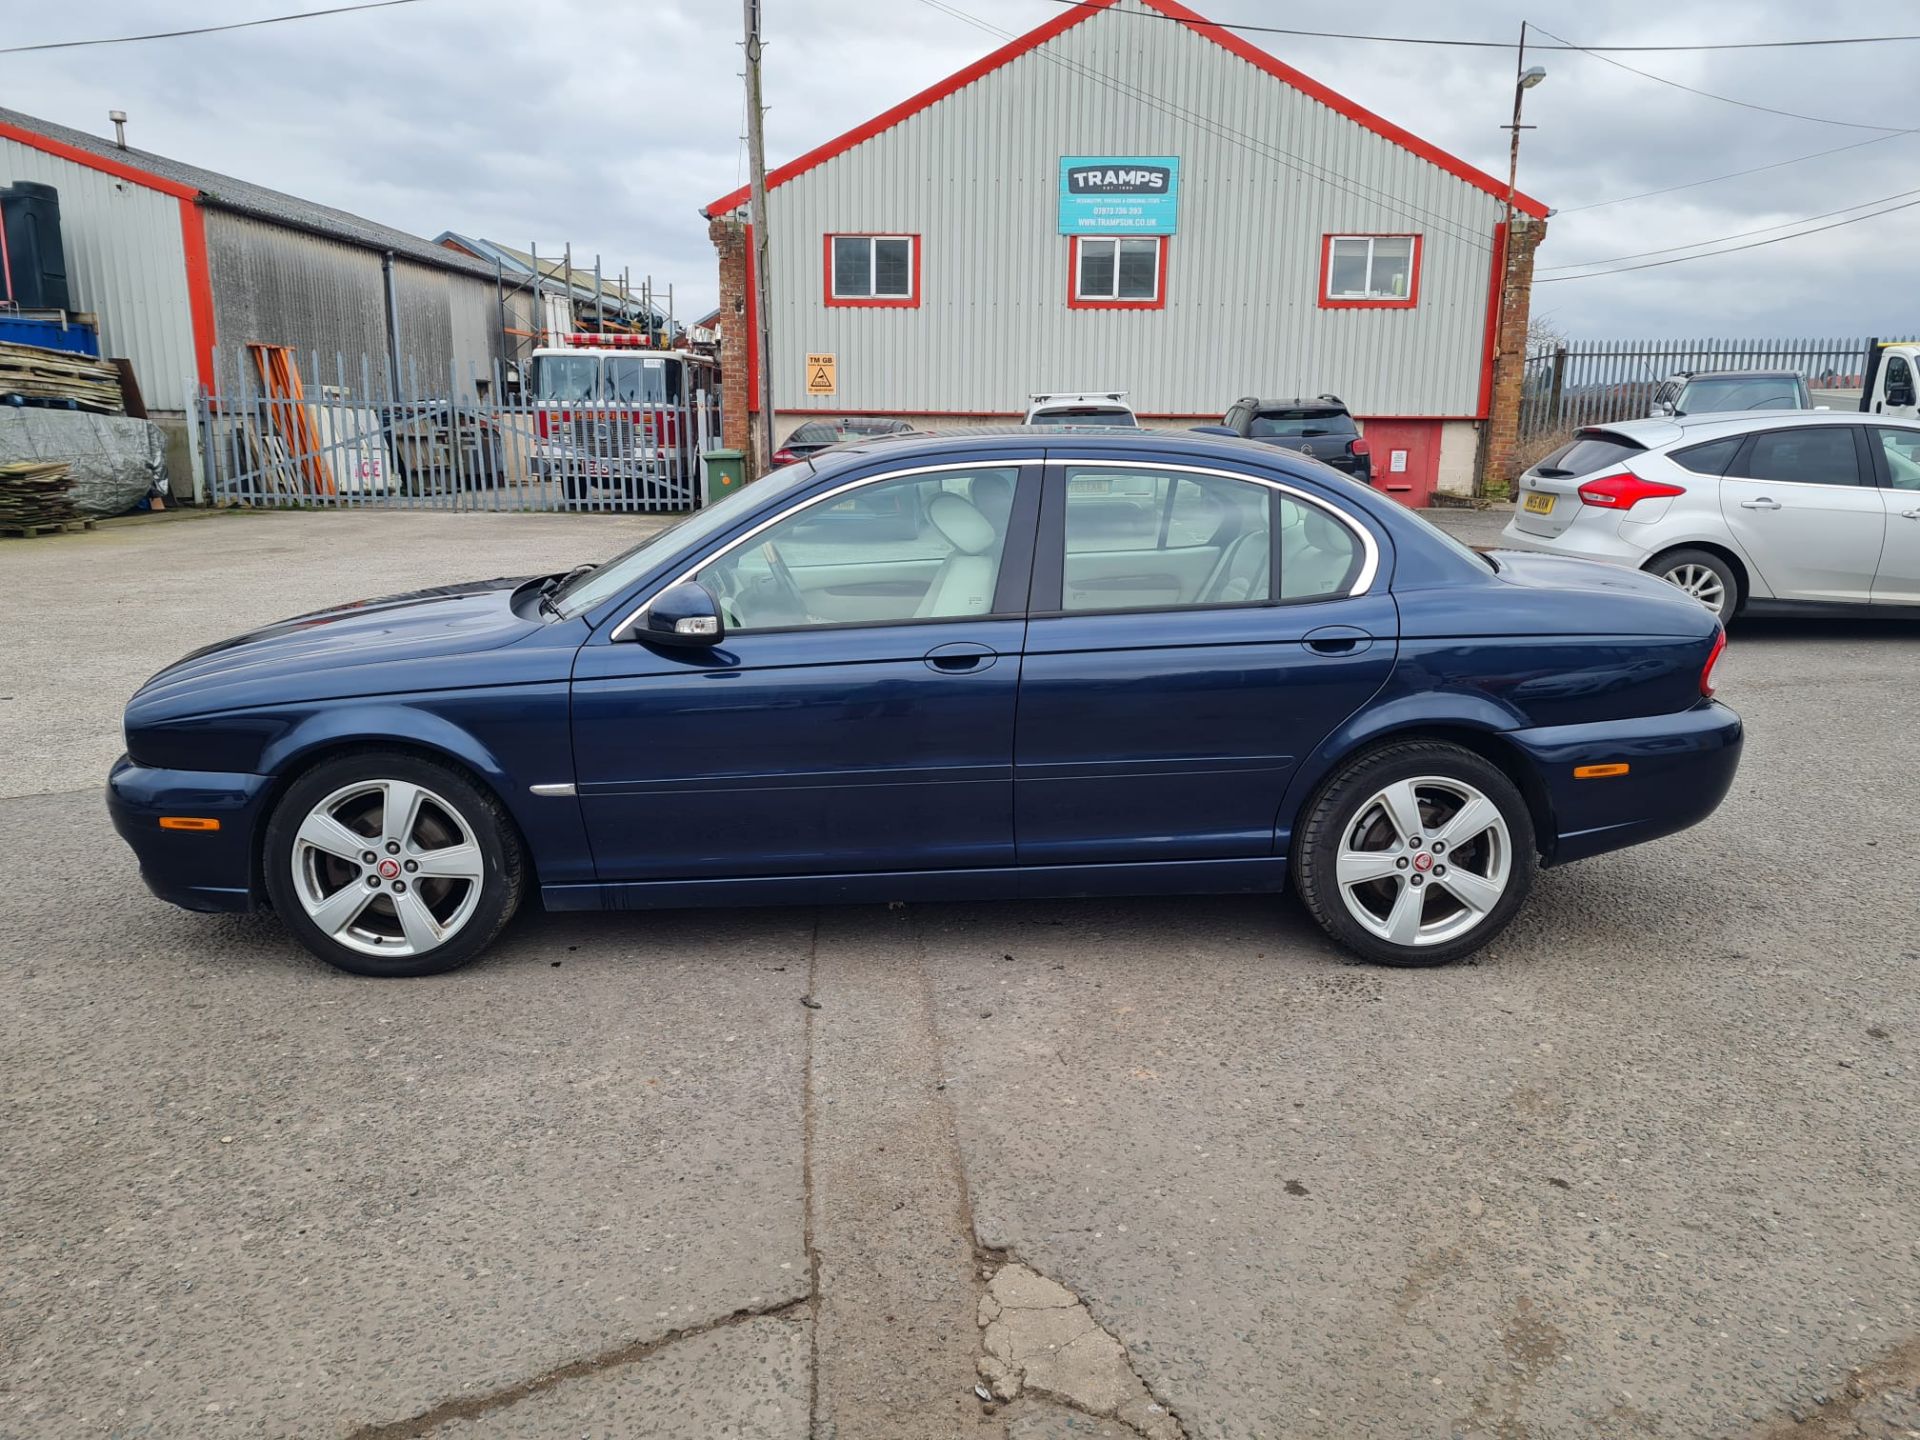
(1674, 563)
(501, 864)
(1344, 806)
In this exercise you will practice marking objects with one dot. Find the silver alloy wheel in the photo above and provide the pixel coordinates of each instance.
(387, 867)
(1702, 582)
(1424, 861)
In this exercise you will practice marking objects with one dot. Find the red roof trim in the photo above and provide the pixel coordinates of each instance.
(1079, 14)
(118, 169)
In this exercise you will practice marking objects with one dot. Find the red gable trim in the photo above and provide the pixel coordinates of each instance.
(913, 105)
(1079, 14)
(120, 170)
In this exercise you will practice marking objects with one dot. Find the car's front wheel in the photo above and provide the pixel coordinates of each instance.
(1417, 853)
(386, 864)
(1703, 575)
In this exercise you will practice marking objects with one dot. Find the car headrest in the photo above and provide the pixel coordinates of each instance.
(992, 496)
(1321, 532)
(964, 527)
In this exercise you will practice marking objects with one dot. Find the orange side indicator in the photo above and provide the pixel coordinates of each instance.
(1598, 772)
(188, 822)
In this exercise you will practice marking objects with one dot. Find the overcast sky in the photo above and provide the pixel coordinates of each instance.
(608, 123)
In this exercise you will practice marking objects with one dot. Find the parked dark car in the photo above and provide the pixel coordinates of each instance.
(1007, 664)
(1320, 427)
(438, 446)
(817, 435)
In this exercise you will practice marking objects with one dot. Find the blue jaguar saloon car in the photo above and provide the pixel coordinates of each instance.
(934, 668)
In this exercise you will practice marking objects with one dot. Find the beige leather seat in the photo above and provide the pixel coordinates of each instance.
(963, 585)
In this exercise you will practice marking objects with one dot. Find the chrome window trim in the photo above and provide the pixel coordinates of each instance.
(1369, 567)
(621, 630)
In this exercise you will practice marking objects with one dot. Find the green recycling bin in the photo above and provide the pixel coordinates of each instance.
(726, 472)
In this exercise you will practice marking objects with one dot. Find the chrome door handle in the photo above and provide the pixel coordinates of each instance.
(1763, 503)
(1910, 514)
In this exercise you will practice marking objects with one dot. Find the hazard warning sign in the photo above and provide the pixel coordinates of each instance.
(821, 374)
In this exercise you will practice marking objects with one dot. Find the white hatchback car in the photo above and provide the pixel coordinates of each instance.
(1759, 513)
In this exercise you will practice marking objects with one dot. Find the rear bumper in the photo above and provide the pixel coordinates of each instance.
(1680, 768)
(1584, 539)
(194, 869)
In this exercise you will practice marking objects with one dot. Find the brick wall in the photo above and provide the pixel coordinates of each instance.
(1510, 350)
(730, 243)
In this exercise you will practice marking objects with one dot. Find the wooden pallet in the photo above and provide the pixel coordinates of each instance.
(34, 376)
(48, 527)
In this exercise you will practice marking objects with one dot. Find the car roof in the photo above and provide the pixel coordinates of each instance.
(1298, 402)
(1671, 429)
(1740, 375)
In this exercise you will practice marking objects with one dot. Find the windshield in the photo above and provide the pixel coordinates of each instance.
(606, 581)
(1739, 392)
(566, 377)
(632, 380)
(1084, 415)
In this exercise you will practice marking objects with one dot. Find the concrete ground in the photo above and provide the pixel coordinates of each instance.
(1645, 1168)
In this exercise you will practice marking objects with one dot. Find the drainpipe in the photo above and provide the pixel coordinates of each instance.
(393, 330)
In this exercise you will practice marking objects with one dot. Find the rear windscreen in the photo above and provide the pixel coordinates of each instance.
(1291, 424)
(1084, 415)
(1591, 450)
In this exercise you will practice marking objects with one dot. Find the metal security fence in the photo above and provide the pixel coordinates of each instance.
(280, 430)
(1595, 382)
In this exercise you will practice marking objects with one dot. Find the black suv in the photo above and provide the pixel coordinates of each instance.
(1320, 427)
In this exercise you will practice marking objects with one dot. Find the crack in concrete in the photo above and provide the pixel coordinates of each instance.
(470, 1407)
(806, 1186)
(1042, 1341)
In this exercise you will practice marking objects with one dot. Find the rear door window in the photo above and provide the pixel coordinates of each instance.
(1589, 451)
(1814, 455)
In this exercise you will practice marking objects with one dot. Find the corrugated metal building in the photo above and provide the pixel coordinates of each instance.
(1005, 232)
(181, 263)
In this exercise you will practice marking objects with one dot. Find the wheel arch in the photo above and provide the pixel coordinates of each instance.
(1470, 732)
(290, 760)
(1742, 574)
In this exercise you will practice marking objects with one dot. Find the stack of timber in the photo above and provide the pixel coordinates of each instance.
(33, 499)
(32, 376)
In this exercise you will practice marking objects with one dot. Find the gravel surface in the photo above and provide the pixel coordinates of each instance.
(1645, 1168)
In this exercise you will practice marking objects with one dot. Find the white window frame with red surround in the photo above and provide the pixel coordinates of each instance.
(1078, 299)
(872, 297)
(1373, 297)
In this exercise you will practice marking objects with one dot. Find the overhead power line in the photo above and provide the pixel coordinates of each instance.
(1709, 95)
(1737, 235)
(1266, 150)
(1507, 44)
(1736, 174)
(1729, 250)
(204, 29)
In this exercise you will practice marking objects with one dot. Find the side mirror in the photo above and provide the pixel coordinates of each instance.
(1900, 395)
(685, 615)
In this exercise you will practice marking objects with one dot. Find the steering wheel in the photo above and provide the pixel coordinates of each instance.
(783, 576)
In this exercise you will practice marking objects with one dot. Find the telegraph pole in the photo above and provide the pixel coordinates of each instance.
(757, 162)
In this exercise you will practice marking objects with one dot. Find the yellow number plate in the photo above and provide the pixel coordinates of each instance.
(1539, 504)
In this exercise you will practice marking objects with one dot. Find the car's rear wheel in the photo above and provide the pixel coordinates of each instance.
(386, 864)
(1417, 853)
(1703, 575)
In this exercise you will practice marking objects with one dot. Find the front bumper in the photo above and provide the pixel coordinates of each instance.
(194, 869)
(1680, 768)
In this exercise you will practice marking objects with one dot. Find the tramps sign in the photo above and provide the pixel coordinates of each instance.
(1119, 195)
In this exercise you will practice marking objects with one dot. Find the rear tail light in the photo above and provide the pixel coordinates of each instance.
(1359, 447)
(1624, 491)
(1713, 659)
(784, 456)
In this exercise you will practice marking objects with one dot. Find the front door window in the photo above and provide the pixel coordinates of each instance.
(921, 547)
